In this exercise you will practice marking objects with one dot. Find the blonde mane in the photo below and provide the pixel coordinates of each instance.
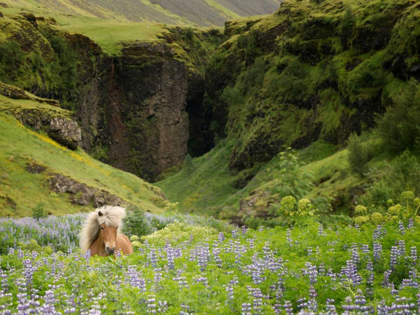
(111, 216)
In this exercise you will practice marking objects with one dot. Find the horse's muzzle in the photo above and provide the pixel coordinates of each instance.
(110, 250)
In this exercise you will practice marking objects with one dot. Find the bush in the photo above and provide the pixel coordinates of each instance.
(67, 63)
(402, 175)
(11, 58)
(399, 127)
(296, 182)
(358, 156)
(189, 34)
(242, 41)
(39, 211)
(135, 223)
(178, 232)
(188, 166)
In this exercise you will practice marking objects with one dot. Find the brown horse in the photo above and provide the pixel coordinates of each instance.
(100, 232)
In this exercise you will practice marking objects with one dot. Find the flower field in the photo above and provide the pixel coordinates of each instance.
(189, 269)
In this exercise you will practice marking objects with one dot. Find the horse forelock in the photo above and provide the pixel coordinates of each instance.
(108, 215)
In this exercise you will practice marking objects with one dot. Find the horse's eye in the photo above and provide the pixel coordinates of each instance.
(117, 228)
(102, 228)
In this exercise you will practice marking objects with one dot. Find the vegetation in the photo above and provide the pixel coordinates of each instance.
(20, 190)
(359, 155)
(204, 270)
(398, 127)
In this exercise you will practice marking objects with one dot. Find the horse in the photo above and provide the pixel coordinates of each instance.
(100, 232)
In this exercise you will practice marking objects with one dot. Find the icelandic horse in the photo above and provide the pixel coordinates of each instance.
(100, 232)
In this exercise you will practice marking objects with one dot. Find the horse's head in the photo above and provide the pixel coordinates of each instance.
(109, 237)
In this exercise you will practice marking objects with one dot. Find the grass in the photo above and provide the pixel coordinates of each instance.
(206, 188)
(210, 188)
(110, 35)
(19, 145)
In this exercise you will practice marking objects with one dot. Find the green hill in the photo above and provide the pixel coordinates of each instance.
(35, 170)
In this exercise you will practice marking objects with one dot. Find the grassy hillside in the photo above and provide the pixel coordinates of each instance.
(308, 77)
(177, 12)
(21, 190)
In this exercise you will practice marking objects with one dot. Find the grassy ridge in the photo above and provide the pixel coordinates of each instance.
(20, 191)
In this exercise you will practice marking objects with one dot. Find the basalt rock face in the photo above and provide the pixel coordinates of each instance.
(147, 122)
(133, 109)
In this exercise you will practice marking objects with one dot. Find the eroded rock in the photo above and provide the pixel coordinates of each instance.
(81, 194)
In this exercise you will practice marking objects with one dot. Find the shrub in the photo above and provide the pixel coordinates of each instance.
(402, 175)
(295, 181)
(11, 58)
(188, 167)
(399, 127)
(242, 41)
(67, 63)
(135, 223)
(178, 232)
(189, 34)
(358, 156)
(39, 211)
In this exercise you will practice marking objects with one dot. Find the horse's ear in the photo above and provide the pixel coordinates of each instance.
(100, 213)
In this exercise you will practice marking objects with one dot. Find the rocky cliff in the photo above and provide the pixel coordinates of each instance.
(133, 108)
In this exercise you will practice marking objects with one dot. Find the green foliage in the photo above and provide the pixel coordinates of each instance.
(39, 211)
(67, 63)
(179, 232)
(135, 223)
(401, 175)
(242, 41)
(292, 83)
(11, 58)
(399, 127)
(20, 145)
(294, 181)
(359, 155)
(189, 34)
(188, 166)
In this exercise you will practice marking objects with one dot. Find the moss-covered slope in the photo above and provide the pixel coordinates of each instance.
(35, 170)
(313, 70)
(306, 77)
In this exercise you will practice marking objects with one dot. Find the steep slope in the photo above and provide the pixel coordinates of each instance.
(310, 71)
(178, 12)
(133, 106)
(35, 170)
(305, 77)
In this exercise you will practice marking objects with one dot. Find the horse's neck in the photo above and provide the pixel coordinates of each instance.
(98, 246)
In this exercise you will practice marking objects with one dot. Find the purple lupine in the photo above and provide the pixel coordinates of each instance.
(244, 230)
(312, 304)
(413, 254)
(355, 257)
(401, 248)
(289, 237)
(152, 257)
(393, 257)
(151, 304)
(369, 267)
(257, 301)
(330, 308)
(288, 308)
(246, 309)
(221, 237)
(321, 230)
(377, 251)
(401, 227)
(170, 256)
